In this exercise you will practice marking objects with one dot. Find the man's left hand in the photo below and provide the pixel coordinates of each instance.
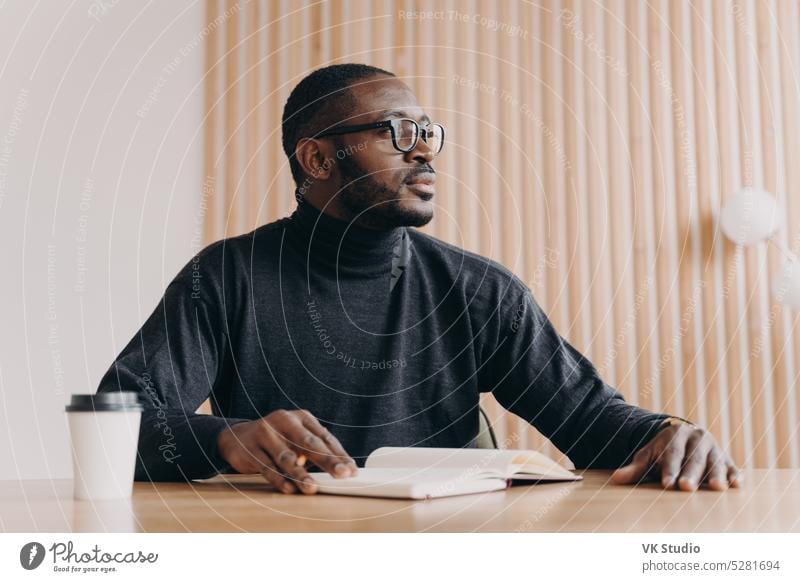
(684, 455)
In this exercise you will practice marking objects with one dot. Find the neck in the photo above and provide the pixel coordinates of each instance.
(330, 241)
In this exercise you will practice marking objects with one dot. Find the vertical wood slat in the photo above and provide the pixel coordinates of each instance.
(460, 141)
(575, 143)
(789, 19)
(505, 162)
(727, 129)
(423, 78)
(253, 116)
(715, 383)
(449, 207)
(490, 177)
(384, 28)
(696, 402)
(621, 352)
(770, 311)
(485, 237)
(210, 84)
(684, 171)
(359, 43)
(598, 198)
(642, 175)
(658, 71)
(526, 247)
(587, 193)
(748, 82)
(555, 189)
(793, 202)
(231, 101)
(278, 164)
(771, 127)
(775, 181)
(291, 62)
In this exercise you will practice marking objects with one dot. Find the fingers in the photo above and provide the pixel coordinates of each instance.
(286, 461)
(717, 476)
(684, 456)
(278, 445)
(735, 476)
(271, 473)
(287, 434)
(317, 450)
(671, 458)
(334, 447)
(637, 470)
(316, 445)
(695, 459)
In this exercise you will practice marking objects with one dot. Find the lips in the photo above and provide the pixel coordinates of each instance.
(423, 184)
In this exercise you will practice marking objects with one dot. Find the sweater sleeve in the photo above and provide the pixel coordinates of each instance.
(174, 361)
(538, 375)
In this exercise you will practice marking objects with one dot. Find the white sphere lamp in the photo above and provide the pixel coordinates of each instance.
(752, 216)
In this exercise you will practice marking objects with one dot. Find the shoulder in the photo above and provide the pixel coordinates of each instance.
(238, 250)
(484, 277)
(230, 258)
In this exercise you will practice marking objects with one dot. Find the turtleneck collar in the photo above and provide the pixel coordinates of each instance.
(344, 246)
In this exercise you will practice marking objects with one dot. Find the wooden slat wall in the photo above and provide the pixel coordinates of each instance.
(590, 152)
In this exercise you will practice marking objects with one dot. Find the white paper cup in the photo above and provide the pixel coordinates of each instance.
(104, 428)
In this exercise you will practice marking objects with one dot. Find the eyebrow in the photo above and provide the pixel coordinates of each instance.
(401, 113)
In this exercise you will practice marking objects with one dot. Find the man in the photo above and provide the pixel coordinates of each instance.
(341, 328)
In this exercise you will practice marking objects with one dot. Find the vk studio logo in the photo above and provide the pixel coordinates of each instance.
(31, 555)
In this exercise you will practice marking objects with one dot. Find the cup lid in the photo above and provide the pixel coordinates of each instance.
(105, 401)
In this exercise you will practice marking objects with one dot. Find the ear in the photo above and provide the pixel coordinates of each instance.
(311, 155)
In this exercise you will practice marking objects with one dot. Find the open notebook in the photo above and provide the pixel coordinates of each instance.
(425, 473)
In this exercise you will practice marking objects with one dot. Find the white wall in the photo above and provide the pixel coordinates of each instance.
(100, 183)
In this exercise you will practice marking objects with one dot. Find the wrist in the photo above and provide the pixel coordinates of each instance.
(226, 441)
(222, 442)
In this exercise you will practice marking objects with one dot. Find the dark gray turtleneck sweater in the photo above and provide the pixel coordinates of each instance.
(388, 338)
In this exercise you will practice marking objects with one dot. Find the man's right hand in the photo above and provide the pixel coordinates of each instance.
(273, 444)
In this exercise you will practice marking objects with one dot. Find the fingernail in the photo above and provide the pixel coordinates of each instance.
(288, 488)
(666, 482)
(340, 469)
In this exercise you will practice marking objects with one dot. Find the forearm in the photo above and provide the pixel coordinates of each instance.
(539, 376)
(606, 433)
(174, 362)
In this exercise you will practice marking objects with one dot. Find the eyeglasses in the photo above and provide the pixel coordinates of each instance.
(405, 133)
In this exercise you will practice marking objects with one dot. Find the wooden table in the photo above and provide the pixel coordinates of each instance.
(769, 502)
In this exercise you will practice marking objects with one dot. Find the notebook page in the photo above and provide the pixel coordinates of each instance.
(407, 483)
(477, 461)
(494, 462)
(527, 464)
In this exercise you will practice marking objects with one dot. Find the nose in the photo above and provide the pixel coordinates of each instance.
(422, 152)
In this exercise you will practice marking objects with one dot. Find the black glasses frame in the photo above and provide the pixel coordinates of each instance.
(425, 132)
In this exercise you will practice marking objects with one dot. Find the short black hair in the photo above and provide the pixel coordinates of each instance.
(319, 101)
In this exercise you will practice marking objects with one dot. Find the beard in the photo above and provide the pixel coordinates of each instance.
(374, 204)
